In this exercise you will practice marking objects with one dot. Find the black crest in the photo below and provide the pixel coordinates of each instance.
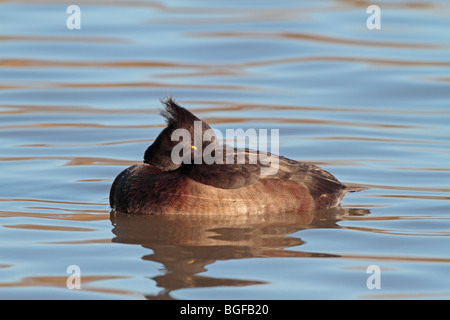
(176, 116)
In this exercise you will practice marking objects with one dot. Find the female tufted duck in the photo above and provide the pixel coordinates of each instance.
(165, 185)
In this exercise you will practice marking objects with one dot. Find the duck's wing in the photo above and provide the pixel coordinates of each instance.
(227, 174)
(238, 175)
(322, 185)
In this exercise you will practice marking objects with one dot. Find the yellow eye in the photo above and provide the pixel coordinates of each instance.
(194, 147)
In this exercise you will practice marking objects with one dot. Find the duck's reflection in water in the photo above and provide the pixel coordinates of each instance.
(186, 244)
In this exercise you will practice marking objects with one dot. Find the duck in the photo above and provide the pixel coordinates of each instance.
(174, 179)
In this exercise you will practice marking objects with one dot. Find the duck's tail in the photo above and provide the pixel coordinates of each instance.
(346, 188)
(354, 188)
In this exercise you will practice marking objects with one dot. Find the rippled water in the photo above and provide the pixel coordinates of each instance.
(79, 106)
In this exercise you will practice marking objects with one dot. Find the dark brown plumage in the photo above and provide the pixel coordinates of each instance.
(160, 186)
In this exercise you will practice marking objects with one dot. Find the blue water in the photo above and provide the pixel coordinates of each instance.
(370, 106)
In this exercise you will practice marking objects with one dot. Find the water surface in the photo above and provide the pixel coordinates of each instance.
(370, 106)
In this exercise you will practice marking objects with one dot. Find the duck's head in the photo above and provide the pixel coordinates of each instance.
(184, 131)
